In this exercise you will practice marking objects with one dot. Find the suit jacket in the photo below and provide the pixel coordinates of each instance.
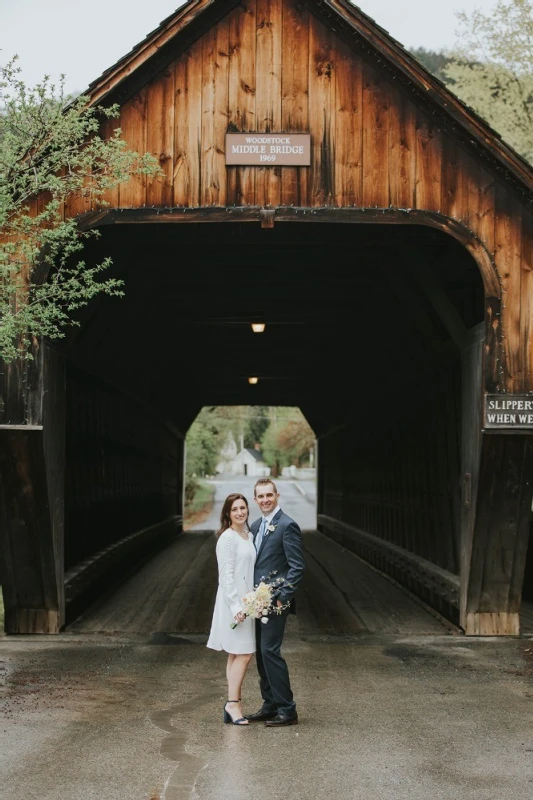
(281, 551)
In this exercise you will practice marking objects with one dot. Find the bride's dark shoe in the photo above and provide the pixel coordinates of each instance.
(229, 718)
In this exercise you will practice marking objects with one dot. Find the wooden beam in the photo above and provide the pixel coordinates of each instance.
(380, 216)
(267, 217)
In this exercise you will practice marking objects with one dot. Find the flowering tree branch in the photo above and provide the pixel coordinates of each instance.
(50, 152)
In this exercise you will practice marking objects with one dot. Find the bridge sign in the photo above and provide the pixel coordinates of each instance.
(509, 411)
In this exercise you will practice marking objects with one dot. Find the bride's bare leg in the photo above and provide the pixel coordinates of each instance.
(231, 658)
(236, 672)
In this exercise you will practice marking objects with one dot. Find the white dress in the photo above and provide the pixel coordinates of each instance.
(235, 558)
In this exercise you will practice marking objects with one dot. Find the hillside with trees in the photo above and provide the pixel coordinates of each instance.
(491, 69)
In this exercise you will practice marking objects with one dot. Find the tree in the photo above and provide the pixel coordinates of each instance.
(50, 152)
(434, 60)
(283, 433)
(492, 69)
(204, 442)
(287, 440)
(258, 423)
(210, 431)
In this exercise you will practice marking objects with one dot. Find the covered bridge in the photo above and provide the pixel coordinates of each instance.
(316, 178)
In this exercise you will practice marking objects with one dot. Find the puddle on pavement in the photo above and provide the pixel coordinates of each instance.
(180, 784)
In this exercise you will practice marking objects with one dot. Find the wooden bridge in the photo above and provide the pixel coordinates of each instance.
(393, 270)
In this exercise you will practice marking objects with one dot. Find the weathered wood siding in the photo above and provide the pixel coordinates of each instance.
(272, 65)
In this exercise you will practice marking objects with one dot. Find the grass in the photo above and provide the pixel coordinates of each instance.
(200, 506)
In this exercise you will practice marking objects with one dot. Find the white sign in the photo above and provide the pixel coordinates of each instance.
(268, 149)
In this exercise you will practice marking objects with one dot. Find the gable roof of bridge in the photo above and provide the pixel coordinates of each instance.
(124, 78)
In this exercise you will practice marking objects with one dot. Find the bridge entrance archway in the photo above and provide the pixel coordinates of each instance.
(369, 330)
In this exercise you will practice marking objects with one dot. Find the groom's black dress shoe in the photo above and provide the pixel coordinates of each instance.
(261, 715)
(280, 719)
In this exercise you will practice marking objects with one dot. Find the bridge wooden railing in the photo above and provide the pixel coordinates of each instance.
(417, 573)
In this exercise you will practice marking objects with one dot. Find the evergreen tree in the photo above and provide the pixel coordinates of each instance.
(435, 61)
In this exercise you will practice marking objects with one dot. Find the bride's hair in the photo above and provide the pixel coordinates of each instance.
(225, 518)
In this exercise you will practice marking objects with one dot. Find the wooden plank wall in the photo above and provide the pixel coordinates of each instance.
(122, 468)
(272, 65)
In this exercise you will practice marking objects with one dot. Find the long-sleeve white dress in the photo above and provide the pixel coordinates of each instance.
(235, 558)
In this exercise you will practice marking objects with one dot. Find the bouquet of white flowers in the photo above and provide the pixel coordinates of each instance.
(260, 602)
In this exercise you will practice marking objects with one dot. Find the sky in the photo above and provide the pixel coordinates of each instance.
(82, 39)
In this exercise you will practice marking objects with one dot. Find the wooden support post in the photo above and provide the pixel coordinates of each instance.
(32, 458)
(267, 217)
(181, 480)
(496, 557)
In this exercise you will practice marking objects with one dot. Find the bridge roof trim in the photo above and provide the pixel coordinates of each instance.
(515, 168)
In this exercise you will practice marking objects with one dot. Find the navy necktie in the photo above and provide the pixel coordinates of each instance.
(260, 534)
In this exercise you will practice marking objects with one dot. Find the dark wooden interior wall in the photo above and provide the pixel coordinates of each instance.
(398, 478)
(123, 469)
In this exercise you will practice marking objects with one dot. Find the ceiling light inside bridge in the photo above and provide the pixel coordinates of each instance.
(258, 327)
(253, 380)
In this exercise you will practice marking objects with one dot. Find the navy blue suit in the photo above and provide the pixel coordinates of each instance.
(281, 552)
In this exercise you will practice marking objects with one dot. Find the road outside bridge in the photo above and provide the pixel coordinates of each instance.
(297, 498)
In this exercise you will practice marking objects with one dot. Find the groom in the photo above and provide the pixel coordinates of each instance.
(278, 542)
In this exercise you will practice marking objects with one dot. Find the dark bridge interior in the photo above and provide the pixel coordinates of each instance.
(366, 325)
(351, 310)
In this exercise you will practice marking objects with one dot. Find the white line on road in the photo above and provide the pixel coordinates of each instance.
(302, 491)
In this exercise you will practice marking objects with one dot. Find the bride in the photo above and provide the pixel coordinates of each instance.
(235, 557)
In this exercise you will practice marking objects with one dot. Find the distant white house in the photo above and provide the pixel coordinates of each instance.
(249, 461)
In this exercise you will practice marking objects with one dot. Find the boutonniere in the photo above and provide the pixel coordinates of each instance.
(271, 528)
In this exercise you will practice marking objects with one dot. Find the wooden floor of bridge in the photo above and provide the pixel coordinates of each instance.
(340, 595)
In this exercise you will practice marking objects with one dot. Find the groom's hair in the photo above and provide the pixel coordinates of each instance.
(265, 482)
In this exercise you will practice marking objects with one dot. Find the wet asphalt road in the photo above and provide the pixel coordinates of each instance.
(381, 718)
